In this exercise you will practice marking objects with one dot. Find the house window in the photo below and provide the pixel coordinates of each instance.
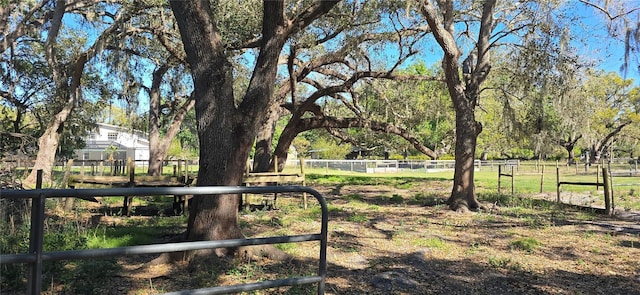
(92, 136)
(85, 156)
(112, 136)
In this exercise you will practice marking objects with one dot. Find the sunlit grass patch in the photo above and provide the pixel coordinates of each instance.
(353, 198)
(527, 244)
(431, 242)
(404, 185)
(286, 246)
(358, 217)
(121, 236)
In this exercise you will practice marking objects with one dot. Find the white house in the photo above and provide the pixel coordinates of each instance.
(122, 142)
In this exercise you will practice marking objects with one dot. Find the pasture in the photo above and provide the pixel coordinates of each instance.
(388, 234)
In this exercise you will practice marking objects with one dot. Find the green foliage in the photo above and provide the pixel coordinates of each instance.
(14, 240)
(423, 108)
(79, 276)
(237, 28)
(329, 149)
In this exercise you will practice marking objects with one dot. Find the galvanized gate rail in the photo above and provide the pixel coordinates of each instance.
(36, 256)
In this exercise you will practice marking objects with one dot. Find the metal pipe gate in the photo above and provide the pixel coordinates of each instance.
(36, 256)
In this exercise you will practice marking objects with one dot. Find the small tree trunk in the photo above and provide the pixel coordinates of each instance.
(47, 147)
(155, 152)
(570, 154)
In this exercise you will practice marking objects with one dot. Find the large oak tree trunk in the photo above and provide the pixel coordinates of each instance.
(227, 132)
(463, 95)
(463, 194)
(221, 148)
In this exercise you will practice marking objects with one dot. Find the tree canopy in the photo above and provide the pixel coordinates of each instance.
(440, 78)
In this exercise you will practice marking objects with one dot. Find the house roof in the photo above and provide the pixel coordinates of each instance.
(141, 135)
(135, 139)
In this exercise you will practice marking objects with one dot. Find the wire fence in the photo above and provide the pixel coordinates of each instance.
(618, 166)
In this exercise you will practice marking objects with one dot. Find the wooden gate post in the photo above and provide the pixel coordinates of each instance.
(558, 182)
(513, 182)
(608, 198)
(304, 183)
(542, 179)
(68, 201)
(499, 175)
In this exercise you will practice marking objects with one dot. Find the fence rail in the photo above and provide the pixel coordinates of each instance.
(36, 256)
(618, 167)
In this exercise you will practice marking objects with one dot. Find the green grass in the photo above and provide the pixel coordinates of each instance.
(527, 181)
(432, 242)
(357, 217)
(353, 198)
(121, 236)
(525, 244)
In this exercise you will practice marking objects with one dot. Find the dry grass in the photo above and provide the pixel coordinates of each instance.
(401, 239)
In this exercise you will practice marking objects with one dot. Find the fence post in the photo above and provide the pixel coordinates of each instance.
(513, 182)
(36, 240)
(68, 201)
(542, 179)
(597, 176)
(304, 182)
(613, 201)
(607, 192)
(128, 200)
(558, 182)
(499, 175)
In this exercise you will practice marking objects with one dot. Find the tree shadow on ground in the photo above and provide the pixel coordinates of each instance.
(387, 273)
(416, 273)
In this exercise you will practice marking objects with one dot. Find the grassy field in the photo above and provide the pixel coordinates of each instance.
(527, 182)
(389, 234)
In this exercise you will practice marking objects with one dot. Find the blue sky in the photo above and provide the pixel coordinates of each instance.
(607, 49)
